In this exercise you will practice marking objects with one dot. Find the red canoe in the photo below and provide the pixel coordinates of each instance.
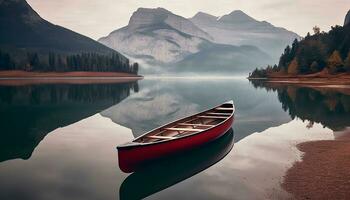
(177, 136)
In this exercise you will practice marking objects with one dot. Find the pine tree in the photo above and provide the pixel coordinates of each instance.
(293, 67)
(335, 63)
(6, 62)
(314, 67)
(347, 63)
(52, 61)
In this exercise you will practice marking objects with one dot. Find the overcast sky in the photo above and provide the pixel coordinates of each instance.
(97, 18)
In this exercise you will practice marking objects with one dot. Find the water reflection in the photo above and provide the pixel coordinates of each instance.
(330, 107)
(167, 172)
(78, 161)
(161, 101)
(30, 112)
(253, 169)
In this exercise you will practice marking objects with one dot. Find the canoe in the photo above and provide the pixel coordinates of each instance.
(166, 172)
(178, 136)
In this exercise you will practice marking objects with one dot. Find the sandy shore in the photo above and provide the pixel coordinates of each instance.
(323, 172)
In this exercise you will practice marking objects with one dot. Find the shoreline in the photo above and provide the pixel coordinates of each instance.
(311, 79)
(18, 78)
(17, 74)
(323, 171)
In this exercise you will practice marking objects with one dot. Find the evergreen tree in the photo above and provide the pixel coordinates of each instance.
(293, 67)
(335, 63)
(316, 30)
(135, 68)
(6, 61)
(314, 67)
(347, 63)
(52, 61)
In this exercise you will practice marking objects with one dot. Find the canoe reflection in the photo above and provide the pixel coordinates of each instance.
(164, 173)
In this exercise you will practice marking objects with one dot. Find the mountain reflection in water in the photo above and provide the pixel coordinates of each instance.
(29, 112)
(164, 100)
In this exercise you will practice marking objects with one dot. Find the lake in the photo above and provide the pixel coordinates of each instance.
(58, 140)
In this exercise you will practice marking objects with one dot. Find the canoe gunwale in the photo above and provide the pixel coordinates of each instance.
(134, 144)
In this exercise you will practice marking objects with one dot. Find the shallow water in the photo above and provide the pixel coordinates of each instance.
(58, 140)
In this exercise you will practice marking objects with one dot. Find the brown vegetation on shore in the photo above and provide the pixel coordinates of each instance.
(320, 78)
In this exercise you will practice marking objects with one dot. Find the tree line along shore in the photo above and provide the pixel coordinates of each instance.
(54, 62)
(321, 55)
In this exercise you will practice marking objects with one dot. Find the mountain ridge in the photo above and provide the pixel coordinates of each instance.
(161, 38)
(21, 26)
(238, 28)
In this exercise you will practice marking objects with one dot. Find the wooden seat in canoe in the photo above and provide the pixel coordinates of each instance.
(160, 137)
(189, 124)
(223, 108)
(184, 129)
(211, 117)
(214, 113)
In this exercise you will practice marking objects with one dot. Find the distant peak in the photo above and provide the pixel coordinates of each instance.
(239, 13)
(236, 16)
(146, 16)
(152, 10)
(204, 16)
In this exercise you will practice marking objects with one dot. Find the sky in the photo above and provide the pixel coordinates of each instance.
(97, 18)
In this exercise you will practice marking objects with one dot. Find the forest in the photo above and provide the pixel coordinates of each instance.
(326, 53)
(49, 62)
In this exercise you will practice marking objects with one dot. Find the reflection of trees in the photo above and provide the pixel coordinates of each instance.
(29, 113)
(328, 107)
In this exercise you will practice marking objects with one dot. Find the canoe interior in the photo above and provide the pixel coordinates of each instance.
(189, 125)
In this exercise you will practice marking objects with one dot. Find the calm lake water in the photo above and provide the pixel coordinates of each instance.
(58, 140)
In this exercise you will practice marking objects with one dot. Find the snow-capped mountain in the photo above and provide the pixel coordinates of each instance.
(237, 28)
(157, 35)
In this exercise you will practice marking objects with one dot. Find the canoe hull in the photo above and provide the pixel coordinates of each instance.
(130, 157)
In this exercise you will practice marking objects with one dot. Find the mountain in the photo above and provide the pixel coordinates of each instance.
(156, 35)
(159, 37)
(22, 27)
(347, 19)
(25, 34)
(219, 59)
(237, 28)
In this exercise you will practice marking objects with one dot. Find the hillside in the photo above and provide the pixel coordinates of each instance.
(319, 55)
(347, 19)
(27, 40)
